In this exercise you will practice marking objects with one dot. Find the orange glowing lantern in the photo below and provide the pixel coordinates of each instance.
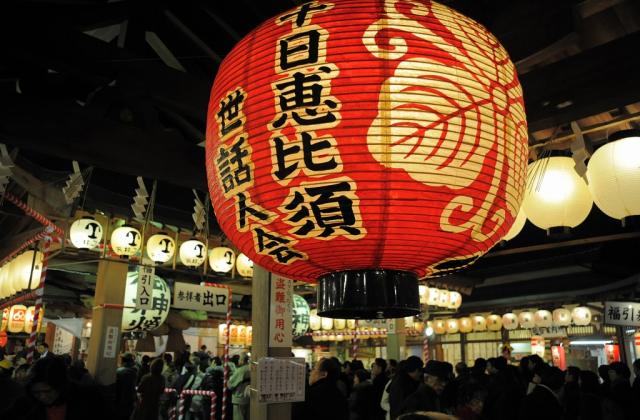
(17, 317)
(366, 144)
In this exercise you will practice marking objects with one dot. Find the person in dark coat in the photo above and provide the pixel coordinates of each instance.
(471, 398)
(150, 389)
(571, 393)
(324, 401)
(427, 396)
(362, 404)
(126, 379)
(590, 408)
(544, 402)
(405, 382)
(379, 381)
(619, 403)
(145, 367)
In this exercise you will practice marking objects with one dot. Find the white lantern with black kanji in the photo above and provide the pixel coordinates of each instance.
(85, 233)
(510, 321)
(561, 317)
(145, 319)
(525, 319)
(244, 266)
(26, 270)
(126, 240)
(160, 247)
(543, 318)
(222, 259)
(299, 316)
(581, 315)
(193, 253)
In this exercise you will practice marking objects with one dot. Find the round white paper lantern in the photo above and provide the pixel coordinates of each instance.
(17, 317)
(423, 292)
(542, 318)
(614, 175)
(439, 326)
(339, 324)
(581, 315)
(510, 321)
(443, 298)
(222, 259)
(145, 319)
(466, 324)
(193, 253)
(517, 226)
(125, 240)
(26, 270)
(561, 317)
(244, 266)
(433, 296)
(479, 323)
(494, 322)
(6, 286)
(555, 196)
(314, 320)
(452, 326)
(455, 300)
(351, 324)
(85, 233)
(408, 322)
(326, 323)
(526, 320)
(160, 247)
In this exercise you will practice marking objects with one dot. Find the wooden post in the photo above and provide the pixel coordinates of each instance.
(396, 340)
(260, 294)
(110, 287)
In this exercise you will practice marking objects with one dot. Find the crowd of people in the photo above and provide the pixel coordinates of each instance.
(58, 388)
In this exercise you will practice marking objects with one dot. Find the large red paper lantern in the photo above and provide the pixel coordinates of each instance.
(366, 141)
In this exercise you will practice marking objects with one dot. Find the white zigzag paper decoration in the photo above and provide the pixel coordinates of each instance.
(5, 167)
(198, 211)
(140, 200)
(74, 184)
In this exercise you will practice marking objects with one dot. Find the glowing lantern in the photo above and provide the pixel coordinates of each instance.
(85, 233)
(494, 322)
(419, 326)
(455, 300)
(510, 321)
(6, 285)
(452, 326)
(351, 324)
(193, 253)
(543, 318)
(614, 175)
(222, 259)
(5, 318)
(339, 324)
(517, 226)
(327, 323)
(433, 296)
(244, 266)
(423, 291)
(29, 317)
(145, 319)
(339, 337)
(26, 270)
(160, 247)
(555, 195)
(439, 326)
(233, 335)
(479, 323)
(125, 240)
(443, 299)
(526, 320)
(466, 325)
(315, 322)
(413, 111)
(408, 322)
(561, 317)
(581, 315)
(17, 316)
(299, 316)
(242, 335)
(249, 337)
(222, 333)
(538, 345)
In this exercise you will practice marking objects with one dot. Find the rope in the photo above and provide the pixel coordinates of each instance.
(33, 213)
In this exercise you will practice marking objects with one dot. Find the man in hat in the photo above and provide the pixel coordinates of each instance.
(427, 397)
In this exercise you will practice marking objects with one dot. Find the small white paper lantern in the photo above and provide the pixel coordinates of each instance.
(561, 317)
(542, 318)
(581, 315)
(408, 322)
(222, 333)
(466, 325)
(494, 322)
(555, 196)
(455, 300)
(222, 259)
(85, 233)
(314, 320)
(614, 175)
(526, 319)
(125, 240)
(517, 226)
(160, 247)
(327, 323)
(479, 323)
(26, 270)
(439, 326)
(339, 324)
(423, 292)
(443, 299)
(510, 321)
(193, 253)
(3, 279)
(351, 324)
(452, 326)
(433, 296)
(244, 266)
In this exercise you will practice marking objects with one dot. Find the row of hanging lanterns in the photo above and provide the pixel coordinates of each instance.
(21, 273)
(239, 335)
(19, 319)
(360, 333)
(542, 318)
(317, 323)
(556, 196)
(433, 296)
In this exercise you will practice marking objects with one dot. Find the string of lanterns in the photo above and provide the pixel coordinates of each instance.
(19, 319)
(561, 317)
(239, 335)
(439, 297)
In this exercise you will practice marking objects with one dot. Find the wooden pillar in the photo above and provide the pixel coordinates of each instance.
(110, 287)
(396, 339)
(260, 304)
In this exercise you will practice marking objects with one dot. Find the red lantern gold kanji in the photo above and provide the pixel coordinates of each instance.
(366, 139)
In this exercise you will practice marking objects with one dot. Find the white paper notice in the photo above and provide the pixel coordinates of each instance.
(111, 342)
(281, 379)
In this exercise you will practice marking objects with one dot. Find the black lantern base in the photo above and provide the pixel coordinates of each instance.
(368, 294)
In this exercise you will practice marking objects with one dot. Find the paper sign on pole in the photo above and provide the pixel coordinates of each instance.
(281, 379)
(145, 287)
(111, 342)
(280, 306)
(200, 298)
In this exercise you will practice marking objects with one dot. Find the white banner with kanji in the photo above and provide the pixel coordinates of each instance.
(622, 313)
(280, 305)
(145, 287)
(200, 298)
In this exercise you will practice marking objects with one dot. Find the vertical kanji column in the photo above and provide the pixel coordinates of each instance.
(105, 341)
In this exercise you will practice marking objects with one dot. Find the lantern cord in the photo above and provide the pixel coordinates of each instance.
(89, 172)
(33, 213)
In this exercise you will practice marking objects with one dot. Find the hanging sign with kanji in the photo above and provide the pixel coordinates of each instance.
(368, 134)
(622, 313)
(200, 298)
(280, 308)
(144, 292)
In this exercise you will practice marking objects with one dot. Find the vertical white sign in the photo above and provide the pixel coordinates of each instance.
(111, 342)
(280, 306)
(144, 293)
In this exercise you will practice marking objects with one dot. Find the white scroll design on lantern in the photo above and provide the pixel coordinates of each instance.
(470, 105)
